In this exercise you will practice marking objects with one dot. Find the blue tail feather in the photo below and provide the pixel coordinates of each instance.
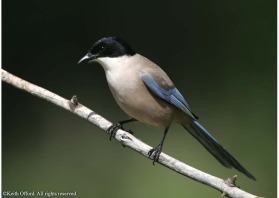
(214, 147)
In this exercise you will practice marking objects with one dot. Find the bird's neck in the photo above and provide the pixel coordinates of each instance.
(115, 63)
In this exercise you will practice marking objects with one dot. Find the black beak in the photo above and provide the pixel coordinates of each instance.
(88, 56)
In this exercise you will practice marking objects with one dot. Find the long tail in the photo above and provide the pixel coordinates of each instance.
(214, 147)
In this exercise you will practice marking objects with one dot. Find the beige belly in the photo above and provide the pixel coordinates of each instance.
(140, 104)
(148, 110)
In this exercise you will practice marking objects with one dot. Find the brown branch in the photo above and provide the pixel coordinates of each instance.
(227, 187)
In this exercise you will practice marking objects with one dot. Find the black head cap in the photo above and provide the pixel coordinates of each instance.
(109, 47)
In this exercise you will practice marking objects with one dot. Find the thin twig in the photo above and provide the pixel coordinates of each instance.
(226, 187)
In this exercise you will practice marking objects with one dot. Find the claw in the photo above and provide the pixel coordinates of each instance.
(113, 129)
(130, 131)
(154, 153)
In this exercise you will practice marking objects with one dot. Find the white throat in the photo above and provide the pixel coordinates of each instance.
(116, 63)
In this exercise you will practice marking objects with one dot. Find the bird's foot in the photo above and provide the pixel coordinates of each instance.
(154, 153)
(114, 128)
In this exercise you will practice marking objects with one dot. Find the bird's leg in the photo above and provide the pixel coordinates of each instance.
(156, 151)
(119, 125)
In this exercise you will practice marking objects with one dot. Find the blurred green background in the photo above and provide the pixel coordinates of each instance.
(220, 54)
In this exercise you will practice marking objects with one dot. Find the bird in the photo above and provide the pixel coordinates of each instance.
(146, 94)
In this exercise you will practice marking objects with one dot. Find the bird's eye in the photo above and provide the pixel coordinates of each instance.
(102, 48)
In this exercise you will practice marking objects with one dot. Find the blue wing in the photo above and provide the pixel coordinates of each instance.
(172, 96)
